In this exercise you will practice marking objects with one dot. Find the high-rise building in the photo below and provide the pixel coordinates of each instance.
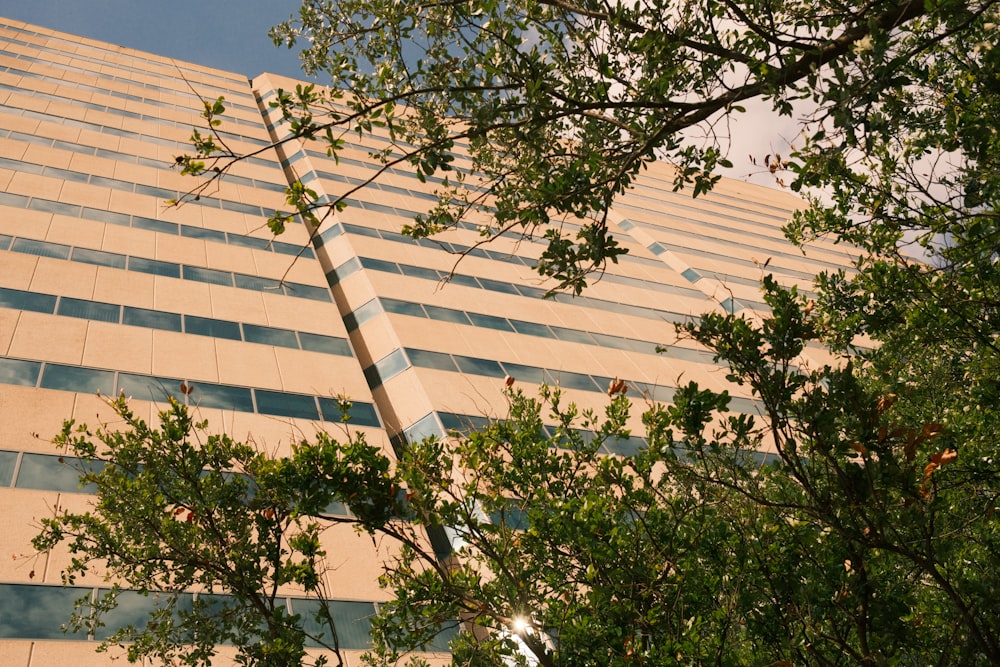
(104, 288)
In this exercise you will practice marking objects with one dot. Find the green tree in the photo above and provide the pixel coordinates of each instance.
(548, 109)
(178, 509)
(869, 536)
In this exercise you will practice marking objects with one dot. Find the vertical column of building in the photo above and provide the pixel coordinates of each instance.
(440, 324)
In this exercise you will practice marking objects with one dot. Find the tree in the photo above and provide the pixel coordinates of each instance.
(178, 509)
(540, 111)
(870, 538)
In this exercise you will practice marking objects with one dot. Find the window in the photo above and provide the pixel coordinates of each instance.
(206, 326)
(53, 473)
(89, 310)
(286, 405)
(151, 319)
(76, 378)
(270, 336)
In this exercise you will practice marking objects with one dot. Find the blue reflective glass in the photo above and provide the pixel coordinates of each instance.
(221, 396)
(391, 365)
(420, 272)
(446, 314)
(476, 366)
(58, 207)
(286, 405)
(428, 359)
(249, 242)
(464, 280)
(211, 276)
(352, 621)
(154, 225)
(360, 414)
(531, 375)
(201, 233)
(403, 307)
(359, 230)
(22, 300)
(151, 319)
(99, 257)
(615, 342)
(110, 217)
(8, 460)
(19, 372)
(37, 612)
(54, 473)
(76, 378)
(308, 292)
(497, 286)
(490, 321)
(257, 284)
(154, 267)
(380, 265)
(149, 388)
(325, 344)
(270, 336)
(531, 329)
(572, 380)
(207, 326)
(630, 446)
(89, 310)
(364, 313)
(41, 248)
(572, 335)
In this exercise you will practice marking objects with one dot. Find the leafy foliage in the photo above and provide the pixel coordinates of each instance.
(180, 510)
(867, 536)
(534, 115)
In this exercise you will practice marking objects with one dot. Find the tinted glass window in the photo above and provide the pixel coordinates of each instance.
(37, 612)
(99, 257)
(53, 473)
(89, 310)
(206, 326)
(149, 388)
(286, 405)
(211, 276)
(351, 619)
(221, 396)
(326, 344)
(531, 329)
(8, 460)
(154, 225)
(16, 371)
(428, 359)
(200, 233)
(21, 300)
(41, 248)
(308, 292)
(75, 378)
(403, 307)
(151, 319)
(270, 336)
(446, 314)
(490, 321)
(154, 267)
(475, 366)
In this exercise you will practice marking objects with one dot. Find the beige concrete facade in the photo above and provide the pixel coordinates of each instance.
(102, 287)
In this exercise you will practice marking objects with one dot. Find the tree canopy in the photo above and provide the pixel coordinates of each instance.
(540, 111)
(869, 535)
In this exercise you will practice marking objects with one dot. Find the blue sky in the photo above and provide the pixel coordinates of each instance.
(227, 34)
